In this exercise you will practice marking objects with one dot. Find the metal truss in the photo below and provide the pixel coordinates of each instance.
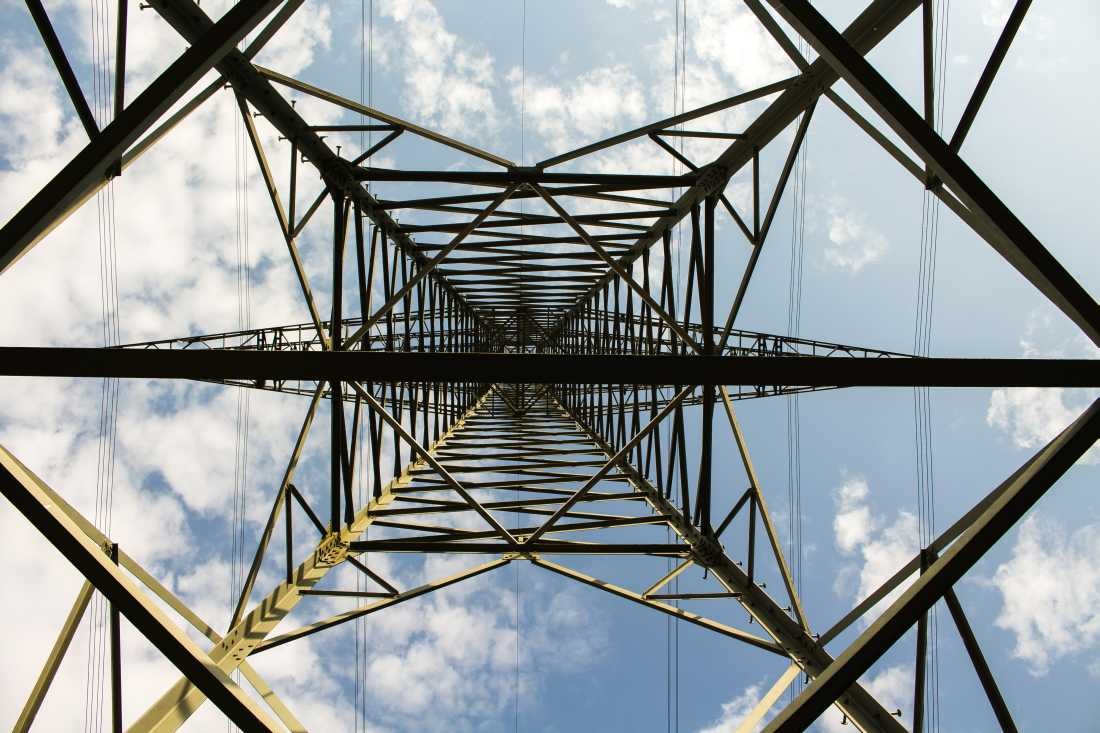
(531, 378)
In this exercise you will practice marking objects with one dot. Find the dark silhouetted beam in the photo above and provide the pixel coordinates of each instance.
(64, 68)
(526, 175)
(373, 366)
(548, 548)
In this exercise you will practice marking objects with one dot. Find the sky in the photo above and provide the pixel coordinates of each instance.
(565, 74)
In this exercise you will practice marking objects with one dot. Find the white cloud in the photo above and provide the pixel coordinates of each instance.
(853, 523)
(729, 36)
(881, 548)
(892, 687)
(177, 276)
(1051, 591)
(295, 46)
(596, 103)
(448, 661)
(1039, 25)
(853, 243)
(728, 52)
(448, 81)
(736, 710)
(1031, 416)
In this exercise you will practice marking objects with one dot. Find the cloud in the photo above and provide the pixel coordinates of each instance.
(295, 46)
(995, 14)
(448, 81)
(736, 710)
(892, 687)
(177, 275)
(881, 548)
(596, 103)
(853, 243)
(729, 36)
(1050, 591)
(853, 523)
(1031, 416)
(448, 661)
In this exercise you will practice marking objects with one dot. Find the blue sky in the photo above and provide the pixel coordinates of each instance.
(592, 69)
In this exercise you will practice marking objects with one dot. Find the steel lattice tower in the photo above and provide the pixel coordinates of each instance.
(522, 355)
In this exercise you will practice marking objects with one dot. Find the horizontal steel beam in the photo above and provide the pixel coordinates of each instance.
(374, 366)
(500, 548)
(525, 175)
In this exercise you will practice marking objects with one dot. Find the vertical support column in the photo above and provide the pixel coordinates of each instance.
(752, 537)
(922, 660)
(120, 57)
(361, 270)
(120, 74)
(116, 658)
(928, 53)
(292, 196)
(339, 232)
(756, 196)
(289, 494)
(706, 303)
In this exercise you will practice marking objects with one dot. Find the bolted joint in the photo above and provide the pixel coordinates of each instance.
(712, 179)
(332, 550)
(525, 174)
(707, 552)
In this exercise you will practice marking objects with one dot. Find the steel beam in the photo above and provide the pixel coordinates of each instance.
(64, 68)
(760, 710)
(190, 21)
(674, 611)
(546, 547)
(517, 175)
(411, 593)
(53, 661)
(977, 658)
(368, 366)
(390, 121)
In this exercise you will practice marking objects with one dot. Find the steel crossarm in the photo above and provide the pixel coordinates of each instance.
(526, 368)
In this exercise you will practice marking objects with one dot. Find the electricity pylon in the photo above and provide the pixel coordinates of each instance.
(543, 380)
